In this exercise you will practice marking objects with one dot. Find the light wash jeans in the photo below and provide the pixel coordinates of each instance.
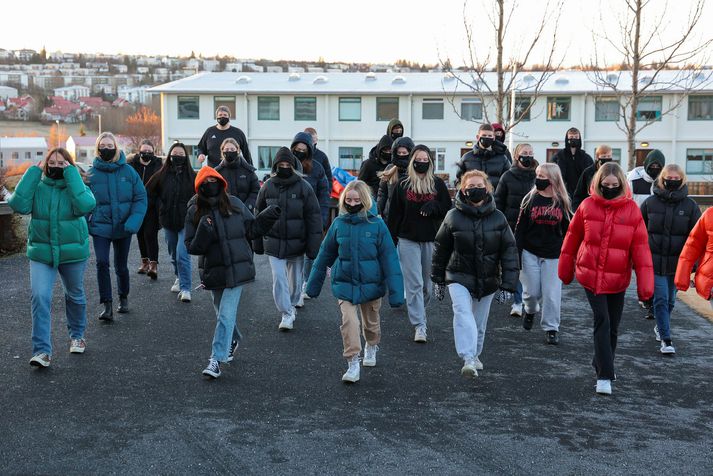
(225, 303)
(540, 282)
(470, 318)
(664, 300)
(180, 259)
(287, 279)
(42, 279)
(415, 259)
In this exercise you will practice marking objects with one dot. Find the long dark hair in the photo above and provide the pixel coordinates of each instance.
(188, 178)
(204, 207)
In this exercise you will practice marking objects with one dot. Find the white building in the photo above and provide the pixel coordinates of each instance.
(16, 151)
(134, 94)
(15, 78)
(351, 111)
(7, 92)
(72, 93)
(81, 148)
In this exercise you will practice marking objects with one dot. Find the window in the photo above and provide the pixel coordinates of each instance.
(28, 155)
(471, 109)
(432, 109)
(40, 153)
(305, 108)
(439, 158)
(522, 109)
(649, 109)
(266, 156)
(699, 161)
(350, 157)
(606, 109)
(268, 108)
(350, 109)
(83, 153)
(227, 101)
(15, 156)
(700, 108)
(558, 108)
(387, 108)
(188, 107)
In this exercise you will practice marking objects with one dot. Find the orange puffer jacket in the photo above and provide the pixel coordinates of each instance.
(698, 248)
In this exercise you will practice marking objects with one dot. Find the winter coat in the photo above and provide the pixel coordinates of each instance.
(146, 172)
(581, 191)
(605, 239)
(374, 152)
(316, 178)
(58, 232)
(323, 160)
(493, 162)
(476, 249)
(698, 249)
(386, 187)
(242, 180)
(370, 168)
(572, 166)
(363, 259)
(669, 216)
(121, 199)
(512, 188)
(405, 219)
(172, 192)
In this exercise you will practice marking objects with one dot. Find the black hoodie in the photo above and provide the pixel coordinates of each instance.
(572, 166)
(386, 187)
(374, 152)
(512, 188)
(372, 166)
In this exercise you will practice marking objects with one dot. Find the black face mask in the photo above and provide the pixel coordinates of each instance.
(353, 208)
(421, 167)
(574, 143)
(106, 154)
(211, 189)
(500, 137)
(396, 135)
(284, 172)
(385, 156)
(603, 161)
(476, 194)
(653, 172)
(672, 185)
(146, 156)
(542, 183)
(231, 156)
(611, 193)
(486, 142)
(301, 155)
(526, 161)
(55, 173)
(223, 121)
(178, 160)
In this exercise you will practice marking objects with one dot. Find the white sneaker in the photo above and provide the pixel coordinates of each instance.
(184, 296)
(301, 303)
(469, 370)
(656, 333)
(176, 286)
(40, 360)
(352, 373)
(516, 310)
(287, 322)
(304, 294)
(420, 335)
(478, 364)
(667, 348)
(370, 355)
(77, 346)
(604, 387)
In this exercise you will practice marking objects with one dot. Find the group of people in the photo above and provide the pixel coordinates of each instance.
(515, 229)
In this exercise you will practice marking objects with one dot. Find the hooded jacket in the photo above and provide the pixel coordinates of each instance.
(669, 216)
(363, 259)
(640, 182)
(581, 191)
(242, 180)
(605, 239)
(572, 166)
(172, 191)
(146, 172)
(386, 187)
(374, 152)
(512, 188)
(299, 229)
(58, 232)
(316, 178)
(121, 199)
(498, 127)
(370, 168)
(698, 249)
(323, 160)
(476, 249)
(226, 259)
(492, 161)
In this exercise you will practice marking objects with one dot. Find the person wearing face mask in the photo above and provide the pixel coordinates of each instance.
(394, 129)
(319, 155)
(418, 205)
(670, 215)
(475, 256)
(213, 137)
(606, 236)
(499, 132)
(641, 179)
(572, 159)
(364, 266)
(486, 155)
(371, 167)
(603, 155)
(146, 165)
(218, 228)
(121, 207)
(297, 234)
(511, 189)
(544, 217)
(172, 188)
(394, 173)
(57, 199)
(240, 176)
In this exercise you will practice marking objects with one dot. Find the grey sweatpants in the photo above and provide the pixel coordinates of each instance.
(540, 282)
(286, 282)
(415, 261)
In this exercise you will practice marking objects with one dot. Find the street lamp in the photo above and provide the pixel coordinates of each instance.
(56, 121)
(99, 116)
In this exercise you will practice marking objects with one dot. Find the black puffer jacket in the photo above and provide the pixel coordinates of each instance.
(242, 180)
(493, 162)
(226, 260)
(146, 172)
(572, 166)
(386, 187)
(370, 168)
(299, 229)
(172, 193)
(512, 188)
(669, 217)
(476, 248)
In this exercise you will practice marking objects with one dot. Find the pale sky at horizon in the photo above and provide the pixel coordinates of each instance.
(368, 31)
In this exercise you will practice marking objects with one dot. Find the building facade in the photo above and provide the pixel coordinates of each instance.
(18, 151)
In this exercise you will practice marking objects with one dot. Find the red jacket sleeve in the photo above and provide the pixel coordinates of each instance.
(641, 255)
(692, 251)
(570, 246)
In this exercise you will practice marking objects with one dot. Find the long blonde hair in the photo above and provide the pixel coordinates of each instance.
(610, 168)
(667, 169)
(109, 135)
(560, 197)
(422, 185)
(364, 192)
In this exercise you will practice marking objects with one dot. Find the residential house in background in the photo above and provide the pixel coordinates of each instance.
(18, 151)
(81, 148)
(72, 93)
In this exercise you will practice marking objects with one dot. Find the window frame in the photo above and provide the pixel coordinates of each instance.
(432, 102)
(699, 96)
(230, 101)
(296, 99)
(178, 108)
(344, 100)
(550, 100)
(609, 100)
(272, 151)
(356, 159)
(705, 152)
(660, 111)
(273, 100)
(472, 102)
(387, 100)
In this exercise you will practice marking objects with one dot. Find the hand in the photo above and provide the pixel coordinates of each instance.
(439, 291)
(429, 208)
(206, 220)
(201, 158)
(272, 212)
(503, 296)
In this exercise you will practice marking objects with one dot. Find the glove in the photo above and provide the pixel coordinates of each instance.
(503, 296)
(271, 213)
(439, 291)
(429, 208)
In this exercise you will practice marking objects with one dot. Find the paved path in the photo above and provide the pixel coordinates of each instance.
(135, 403)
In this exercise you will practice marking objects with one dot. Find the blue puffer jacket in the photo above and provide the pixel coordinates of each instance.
(121, 199)
(363, 259)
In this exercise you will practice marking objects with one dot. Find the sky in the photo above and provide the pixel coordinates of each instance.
(370, 31)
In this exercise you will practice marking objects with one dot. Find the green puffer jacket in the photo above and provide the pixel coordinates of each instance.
(58, 231)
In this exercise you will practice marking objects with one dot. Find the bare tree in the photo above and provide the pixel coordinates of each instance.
(509, 56)
(651, 65)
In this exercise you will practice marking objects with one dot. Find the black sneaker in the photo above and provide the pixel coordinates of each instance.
(213, 369)
(107, 314)
(552, 337)
(233, 348)
(527, 321)
(650, 313)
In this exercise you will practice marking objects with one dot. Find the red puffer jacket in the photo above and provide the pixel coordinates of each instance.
(603, 240)
(698, 247)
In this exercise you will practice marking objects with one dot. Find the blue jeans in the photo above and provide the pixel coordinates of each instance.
(42, 279)
(307, 269)
(121, 257)
(225, 303)
(180, 259)
(664, 300)
(517, 295)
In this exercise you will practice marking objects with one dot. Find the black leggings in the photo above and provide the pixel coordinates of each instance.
(148, 237)
(607, 309)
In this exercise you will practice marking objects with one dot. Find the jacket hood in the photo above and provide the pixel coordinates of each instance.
(401, 142)
(654, 157)
(306, 139)
(206, 172)
(639, 173)
(670, 196)
(385, 142)
(393, 123)
(284, 155)
(484, 209)
(524, 172)
(110, 166)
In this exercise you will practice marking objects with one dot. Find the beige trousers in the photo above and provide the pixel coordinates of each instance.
(370, 322)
